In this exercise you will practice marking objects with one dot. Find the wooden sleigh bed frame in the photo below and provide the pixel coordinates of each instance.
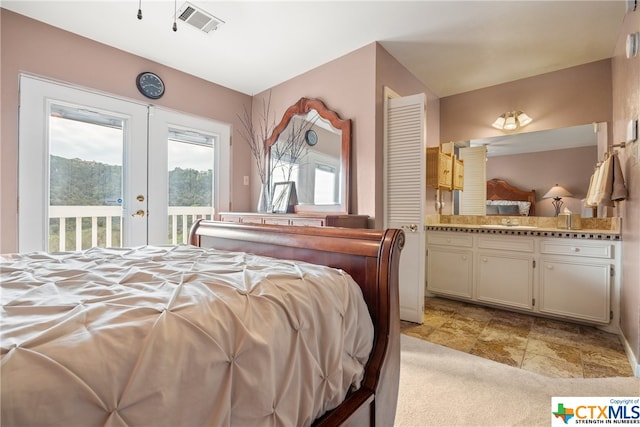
(371, 257)
(498, 189)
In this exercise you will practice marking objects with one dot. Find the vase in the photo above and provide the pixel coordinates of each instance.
(264, 201)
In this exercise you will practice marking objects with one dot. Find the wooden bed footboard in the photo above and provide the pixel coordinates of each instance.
(371, 257)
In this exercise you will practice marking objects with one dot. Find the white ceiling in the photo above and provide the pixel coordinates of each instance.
(451, 46)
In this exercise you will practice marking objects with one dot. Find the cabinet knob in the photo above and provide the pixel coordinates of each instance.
(484, 260)
(575, 249)
(464, 257)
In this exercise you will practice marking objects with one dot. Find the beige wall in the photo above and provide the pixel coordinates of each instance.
(344, 85)
(390, 73)
(574, 96)
(571, 168)
(352, 86)
(32, 47)
(603, 91)
(626, 106)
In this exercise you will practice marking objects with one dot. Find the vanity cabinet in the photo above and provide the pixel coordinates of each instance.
(314, 220)
(505, 271)
(450, 264)
(568, 278)
(576, 279)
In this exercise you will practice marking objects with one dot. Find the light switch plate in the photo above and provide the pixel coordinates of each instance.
(631, 47)
(632, 131)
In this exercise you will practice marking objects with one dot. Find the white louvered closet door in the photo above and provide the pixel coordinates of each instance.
(473, 200)
(404, 194)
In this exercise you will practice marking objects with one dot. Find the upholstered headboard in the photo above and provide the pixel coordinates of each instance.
(501, 193)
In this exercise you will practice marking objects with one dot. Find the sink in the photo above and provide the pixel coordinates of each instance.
(512, 227)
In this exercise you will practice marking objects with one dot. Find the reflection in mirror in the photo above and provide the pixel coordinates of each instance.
(539, 160)
(310, 147)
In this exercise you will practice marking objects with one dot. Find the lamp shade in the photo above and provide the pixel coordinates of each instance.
(523, 119)
(557, 192)
(510, 123)
(499, 123)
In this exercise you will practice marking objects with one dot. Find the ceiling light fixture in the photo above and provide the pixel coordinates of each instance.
(511, 120)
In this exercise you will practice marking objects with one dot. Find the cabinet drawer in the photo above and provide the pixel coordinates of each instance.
(251, 220)
(449, 239)
(230, 218)
(275, 221)
(308, 222)
(518, 244)
(581, 249)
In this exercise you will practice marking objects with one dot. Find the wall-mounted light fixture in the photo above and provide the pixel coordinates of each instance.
(557, 193)
(511, 120)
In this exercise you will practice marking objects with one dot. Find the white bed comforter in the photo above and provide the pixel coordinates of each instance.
(176, 336)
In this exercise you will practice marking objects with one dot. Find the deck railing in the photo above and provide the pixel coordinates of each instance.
(78, 227)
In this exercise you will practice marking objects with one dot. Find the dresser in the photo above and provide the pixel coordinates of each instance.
(306, 219)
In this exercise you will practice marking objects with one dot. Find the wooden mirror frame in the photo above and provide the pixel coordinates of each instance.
(301, 108)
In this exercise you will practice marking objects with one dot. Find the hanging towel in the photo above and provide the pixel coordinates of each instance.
(619, 190)
(598, 184)
(613, 188)
(589, 200)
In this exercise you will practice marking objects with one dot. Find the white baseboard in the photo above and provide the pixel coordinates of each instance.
(635, 365)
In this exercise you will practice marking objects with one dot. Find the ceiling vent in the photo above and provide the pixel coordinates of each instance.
(198, 18)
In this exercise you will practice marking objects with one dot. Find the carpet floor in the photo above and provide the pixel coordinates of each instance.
(444, 387)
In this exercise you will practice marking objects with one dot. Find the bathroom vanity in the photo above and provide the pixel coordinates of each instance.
(566, 274)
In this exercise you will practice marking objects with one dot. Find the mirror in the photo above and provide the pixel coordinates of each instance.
(539, 160)
(310, 147)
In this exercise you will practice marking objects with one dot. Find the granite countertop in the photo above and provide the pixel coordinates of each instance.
(593, 228)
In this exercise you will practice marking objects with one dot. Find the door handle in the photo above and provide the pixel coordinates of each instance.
(139, 213)
(413, 227)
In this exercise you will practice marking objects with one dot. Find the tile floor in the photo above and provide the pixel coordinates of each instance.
(545, 346)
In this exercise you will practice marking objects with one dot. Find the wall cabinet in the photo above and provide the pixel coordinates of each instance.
(554, 277)
(444, 170)
(315, 220)
(439, 169)
(458, 174)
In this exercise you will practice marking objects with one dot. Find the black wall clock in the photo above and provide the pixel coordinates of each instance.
(150, 85)
(311, 137)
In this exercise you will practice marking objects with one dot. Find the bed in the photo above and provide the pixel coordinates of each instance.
(74, 352)
(506, 199)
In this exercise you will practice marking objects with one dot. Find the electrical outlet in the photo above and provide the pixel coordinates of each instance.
(246, 180)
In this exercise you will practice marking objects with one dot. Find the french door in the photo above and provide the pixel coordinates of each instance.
(97, 170)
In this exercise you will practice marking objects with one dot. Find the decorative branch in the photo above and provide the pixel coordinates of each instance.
(291, 150)
(256, 137)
